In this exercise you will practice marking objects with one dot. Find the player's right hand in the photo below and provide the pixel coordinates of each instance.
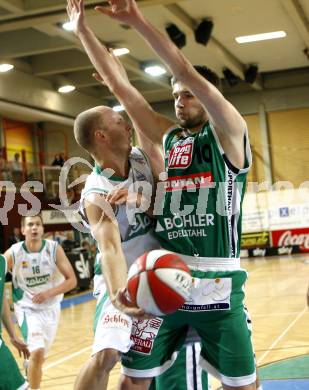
(21, 347)
(122, 303)
(76, 14)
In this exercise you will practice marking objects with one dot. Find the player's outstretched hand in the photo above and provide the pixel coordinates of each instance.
(122, 303)
(76, 14)
(21, 347)
(125, 11)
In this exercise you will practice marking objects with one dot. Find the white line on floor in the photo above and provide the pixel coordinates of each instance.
(282, 335)
(66, 358)
(274, 314)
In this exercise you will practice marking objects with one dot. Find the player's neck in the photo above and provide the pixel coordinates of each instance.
(34, 245)
(197, 128)
(119, 165)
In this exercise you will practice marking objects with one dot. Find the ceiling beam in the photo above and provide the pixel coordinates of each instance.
(227, 58)
(41, 94)
(14, 6)
(54, 63)
(65, 62)
(48, 11)
(83, 79)
(298, 16)
(16, 45)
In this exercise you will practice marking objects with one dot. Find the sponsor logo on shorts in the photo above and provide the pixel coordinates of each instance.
(180, 155)
(144, 333)
(36, 334)
(115, 321)
(209, 294)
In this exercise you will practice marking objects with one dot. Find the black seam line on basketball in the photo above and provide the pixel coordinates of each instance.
(194, 368)
(167, 255)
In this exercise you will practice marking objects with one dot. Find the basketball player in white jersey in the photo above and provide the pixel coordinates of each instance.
(106, 136)
(36, 265)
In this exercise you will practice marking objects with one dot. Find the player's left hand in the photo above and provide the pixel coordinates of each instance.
(122, 303)
(125, 11)
(41, 297)
(21, 347)
(124, 196)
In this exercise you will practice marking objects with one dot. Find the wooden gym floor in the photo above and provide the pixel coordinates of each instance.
(276, 299)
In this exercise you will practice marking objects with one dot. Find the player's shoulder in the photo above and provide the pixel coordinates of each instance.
(97, 181)
(172, 135)
(138, 155)
(49, 247)
(16, 247)
(48, 241)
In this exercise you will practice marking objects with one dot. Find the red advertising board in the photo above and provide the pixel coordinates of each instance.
(288, 237)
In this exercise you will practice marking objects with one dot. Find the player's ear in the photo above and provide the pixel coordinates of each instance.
(99, 135)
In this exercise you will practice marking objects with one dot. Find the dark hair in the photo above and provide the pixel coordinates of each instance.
(207, 73)
(23, 218)
(85, 124)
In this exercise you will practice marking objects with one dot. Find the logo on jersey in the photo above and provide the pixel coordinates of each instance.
(187, 182)
(180, 155)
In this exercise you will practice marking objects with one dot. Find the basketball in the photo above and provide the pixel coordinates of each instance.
(159, 282)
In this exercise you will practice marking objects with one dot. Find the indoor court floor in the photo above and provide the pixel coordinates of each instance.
(276, 299)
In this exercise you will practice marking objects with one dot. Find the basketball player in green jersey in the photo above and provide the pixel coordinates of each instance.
(41, 274)
(209, 152)
(10, 376)
(95, 371)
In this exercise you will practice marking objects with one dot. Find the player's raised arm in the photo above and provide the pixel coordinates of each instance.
(229, 124)
(113, 75)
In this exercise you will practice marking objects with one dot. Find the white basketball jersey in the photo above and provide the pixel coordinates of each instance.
(136, 238)
(33, 273)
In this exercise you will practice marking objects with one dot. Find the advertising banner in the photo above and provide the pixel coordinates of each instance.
(290, 237)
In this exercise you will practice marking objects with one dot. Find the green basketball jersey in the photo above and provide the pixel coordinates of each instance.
(2, 282)
(203, 194)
